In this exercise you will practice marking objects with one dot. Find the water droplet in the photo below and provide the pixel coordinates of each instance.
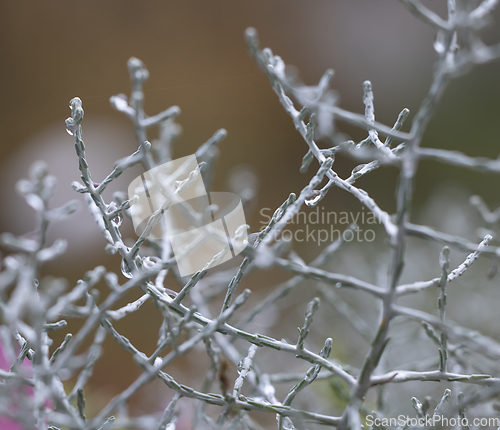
(117, 221)
(126, 270)
(439, 46)
(252, 238)
(314, 199)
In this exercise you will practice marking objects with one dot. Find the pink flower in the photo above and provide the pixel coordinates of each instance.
(16, 394)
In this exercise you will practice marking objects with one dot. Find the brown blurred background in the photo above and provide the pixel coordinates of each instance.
(194, 50)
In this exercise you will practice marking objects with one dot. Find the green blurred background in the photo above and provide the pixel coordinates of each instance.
(53, 51)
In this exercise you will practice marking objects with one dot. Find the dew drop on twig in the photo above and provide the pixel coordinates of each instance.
(314, 199)
(126, 270)
(117, 221)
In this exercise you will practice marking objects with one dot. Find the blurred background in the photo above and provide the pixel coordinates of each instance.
(197, 59)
